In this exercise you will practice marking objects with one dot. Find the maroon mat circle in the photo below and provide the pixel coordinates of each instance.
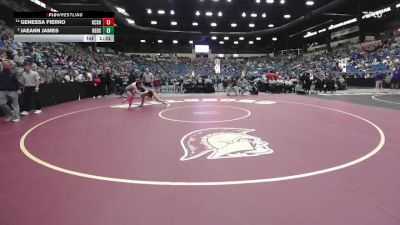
(204, 114)
(135, 145)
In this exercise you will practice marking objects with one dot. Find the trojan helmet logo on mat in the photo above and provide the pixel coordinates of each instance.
(223, 143)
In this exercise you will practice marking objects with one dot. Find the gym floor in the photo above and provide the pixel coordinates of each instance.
(206, 159)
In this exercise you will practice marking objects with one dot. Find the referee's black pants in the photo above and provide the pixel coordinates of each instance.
(28, 96)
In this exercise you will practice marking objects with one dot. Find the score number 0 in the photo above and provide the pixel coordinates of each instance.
(108, 21)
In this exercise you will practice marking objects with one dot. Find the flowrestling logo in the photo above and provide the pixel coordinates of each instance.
(223, 143)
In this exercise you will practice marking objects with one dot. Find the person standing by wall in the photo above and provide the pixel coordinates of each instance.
(157, 84)
(103, 84)
(224, 84)
(388, 79)
(148, 78)
(97, 86)
(9, 91)
(110, 80)
(48, 74)
(31, 81)
(133, 76)
(379, 80)
(396, 78)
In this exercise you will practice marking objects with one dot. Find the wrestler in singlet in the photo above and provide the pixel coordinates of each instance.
(151, 94)
(130, 91)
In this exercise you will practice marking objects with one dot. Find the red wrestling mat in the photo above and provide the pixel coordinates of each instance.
(243, 160)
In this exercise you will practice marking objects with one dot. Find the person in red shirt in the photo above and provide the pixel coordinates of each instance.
(97, 84)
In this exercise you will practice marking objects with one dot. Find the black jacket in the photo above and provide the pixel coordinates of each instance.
(8, 81)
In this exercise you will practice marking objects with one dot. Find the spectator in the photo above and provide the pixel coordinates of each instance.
(232, 87)
(288, 85)
(242, 85)
(19, 59)
(106, 82)
(254, 89)
(9, 91)
(157, 84)
(379, 80)
(48, 74)
(97, 84)
(84, 77)
(225, 84)
(396, 78)
(70, 74)
(329, 84)
(133, 76)
(319, 85)
(208, 81)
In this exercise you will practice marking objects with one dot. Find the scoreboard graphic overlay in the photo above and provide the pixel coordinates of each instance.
(64, 26)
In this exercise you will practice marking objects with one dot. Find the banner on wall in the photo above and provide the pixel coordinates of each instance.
(371, 44)
(343, 64)
(344, 32)
(217, 67)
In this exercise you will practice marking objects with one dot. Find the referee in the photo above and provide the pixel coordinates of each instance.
(31, 81)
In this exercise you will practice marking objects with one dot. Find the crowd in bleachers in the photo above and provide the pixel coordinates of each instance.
(141, 63)
(232, 67)
(368, 60)
(204, 67)
(176, 66)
